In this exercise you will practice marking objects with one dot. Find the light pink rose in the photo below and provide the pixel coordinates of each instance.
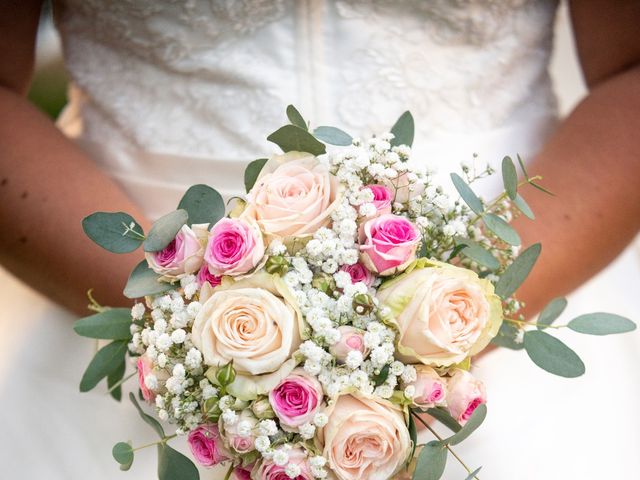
(241, 443)
(206, 445)
(365, 439)
(182, 256)
(151, 380)
(296, 399)
(390, 244)
(382, 198)
(270, 471)
(430, 388)
(351, 339)
(205, 276)
(464, 395)
(359, 273)
(294, 196)
(235, 247)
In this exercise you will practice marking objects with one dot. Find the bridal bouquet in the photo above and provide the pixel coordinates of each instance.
(304, 332)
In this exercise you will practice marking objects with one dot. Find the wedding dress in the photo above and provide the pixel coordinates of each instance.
(171, 93)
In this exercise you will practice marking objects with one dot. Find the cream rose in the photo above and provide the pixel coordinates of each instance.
(443, 313)
(365, 439)
(253, 322)
(294, 196)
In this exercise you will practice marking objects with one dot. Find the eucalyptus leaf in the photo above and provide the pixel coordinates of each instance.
(148, 419)
(413, 435)
(441, 415)
(476, 252)
(333, 136)
(552, 355)
(551, 312)
(164, 230)
(471, 426)
(601, 323)
(507, 336)
(468, 195)
(252, 172)
(114, 377)
(296, 118)
(123, 454)
(403, 130)
(112, 231)
(291, 138)
(502, 229)
(455, 251)
(541, 188)
(380, 378)
(518, 271)
(524, 170)
(112, 324)
(431, 462)
(473, 474)
(203, 204)
(509, 177)
(172, 465)
(524, 207)
(105, 361)
(143, 281)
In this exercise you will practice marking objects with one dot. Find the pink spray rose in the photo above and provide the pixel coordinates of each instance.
(206, 445)
(430, 388)
(270, 471)
(235, 247)
(205, 276)
(242, 473)
(351, 339)
(359, 273)
(464, 395)
(241, 443)
(182, 256)
(390, 244)
(382, 198)
(150, 380)
(296, 399)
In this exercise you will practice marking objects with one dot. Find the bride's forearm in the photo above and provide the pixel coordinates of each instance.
(47, 185)
(592, 164)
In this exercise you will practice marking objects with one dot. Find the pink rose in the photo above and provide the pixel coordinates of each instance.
(241, 443)
(182, 256)
(382, 198)
(150, 379)
(242, 473)
(235, 247)
(270, 471)
(359, 273)
(206, 445)
(390, 244)
(296, 399)
(464, 395)
(205, 276)
(351, 339)
(294, 196)
(430, 388)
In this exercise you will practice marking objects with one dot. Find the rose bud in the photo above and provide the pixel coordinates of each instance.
(150, 380)
(277, 264)
(464, 395)
(182, 256)
(207, 446)
(242, 473)
(382, 198)
(389, 244)
(262, 409)
(359, 273)
(430, 388)
(240, 436)
(351, 339)
(296, 400)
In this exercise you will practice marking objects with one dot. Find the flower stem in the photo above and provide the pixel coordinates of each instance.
(501, 197)
(120, 382)
(229, 472)
(523, 323)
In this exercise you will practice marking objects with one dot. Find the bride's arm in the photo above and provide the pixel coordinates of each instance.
(47, 185)
(593, 162)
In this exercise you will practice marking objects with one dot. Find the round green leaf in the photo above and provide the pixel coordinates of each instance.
(112, 324)
(502, 229)
(123, 454)
(291, 138)
(471, 426)
(252, 172)
(403, 130)
(509, 177)
(143, 281)
(552, 355)
(172, 465)
(203, 204)
(296, 118)
(431, 462)
(108, 359)
(601, 323)
(333, 136)
(469, 197)
(524, 207)
(112, 231)
(551, 312)
(477, 253)
(518, 271)
(164, 230)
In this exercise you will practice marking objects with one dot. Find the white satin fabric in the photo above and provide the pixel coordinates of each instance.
(167, 94)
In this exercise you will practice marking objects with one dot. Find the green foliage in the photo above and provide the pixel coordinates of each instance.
(413, 435)
(164, 230)
(291, 138)
(252, 172)
(113, 378)
(502, 229)
(518, 271)
(203, 204)
(123, 454)
(403, 130)
(601, 323)
(524, 207)
(296, 118)
(551, 312)
(431, 461)
(441, 415)
(112, 324)
(509, 177)
(506, 337)
(468, 428)
(148, 419)
(106, 361)
(552, 355)
(473, 474)
(333, 136)
(112, 231)
(172, 465)
(476, 252)
(468, 195)
(380, 378)
(143, 281)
